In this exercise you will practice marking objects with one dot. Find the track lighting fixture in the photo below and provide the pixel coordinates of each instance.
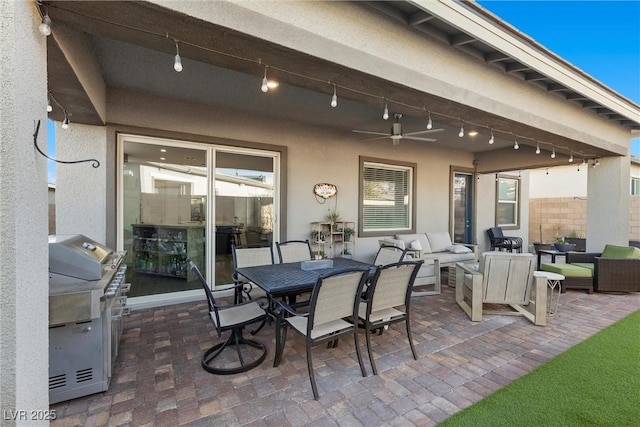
(265, 82)
(45, 25)
(491, 139)
(334, 98)
(461, 133)
(429, 122)
(515, 144)
(385, 113)
(553, 153)
(177, 65)
(571, 157)
(538, 148)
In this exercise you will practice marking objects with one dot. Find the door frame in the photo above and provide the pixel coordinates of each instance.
(453, 171)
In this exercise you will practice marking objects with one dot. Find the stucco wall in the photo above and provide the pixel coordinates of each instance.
(24, 286)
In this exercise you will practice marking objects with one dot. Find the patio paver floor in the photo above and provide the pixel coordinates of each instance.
(158, 380)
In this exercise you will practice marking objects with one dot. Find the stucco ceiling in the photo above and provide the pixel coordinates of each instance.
(131, 53)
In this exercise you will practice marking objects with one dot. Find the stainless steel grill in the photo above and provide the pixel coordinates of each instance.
(87, 299)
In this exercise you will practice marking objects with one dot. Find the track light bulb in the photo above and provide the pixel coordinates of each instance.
(553, 153)
(65, 122)
(461, 133)
(429, 123)
(49, 106)
(571, 158)
(491, 139)
(177, 65)
(515, 144)
(385, 114)
(45, 25)
(265, 82)
(334, 98)
(537, 148)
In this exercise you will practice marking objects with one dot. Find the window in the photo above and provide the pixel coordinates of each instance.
(386, 197)
(635, 186)
(507, 202)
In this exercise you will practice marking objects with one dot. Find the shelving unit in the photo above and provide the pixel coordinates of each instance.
(163, 249)
(330, 240)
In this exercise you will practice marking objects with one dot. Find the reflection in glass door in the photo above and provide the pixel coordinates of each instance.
(244, 205)
(164, 197)
(462, 207)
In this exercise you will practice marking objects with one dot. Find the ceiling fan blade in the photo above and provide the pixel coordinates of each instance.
(420, 132)
(417, 138)
(371, 133)
(375, 137)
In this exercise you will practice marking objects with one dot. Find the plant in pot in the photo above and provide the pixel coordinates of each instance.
(541, 245)
(333, 216)
(317, 236)
(561, 245)
(348, 232)
(346, 253)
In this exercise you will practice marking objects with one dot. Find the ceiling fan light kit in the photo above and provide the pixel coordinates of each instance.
(396, 133)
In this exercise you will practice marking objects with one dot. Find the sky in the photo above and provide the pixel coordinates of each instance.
(602, 38)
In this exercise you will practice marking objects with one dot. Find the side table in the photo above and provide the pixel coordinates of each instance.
(553, 282)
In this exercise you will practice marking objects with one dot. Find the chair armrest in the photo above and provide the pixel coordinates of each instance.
(286, 307)
(617, 274)
(581, 257)
(467, 268)
(474, 248)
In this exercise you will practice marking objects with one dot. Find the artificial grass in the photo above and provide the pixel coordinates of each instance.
(595, 383)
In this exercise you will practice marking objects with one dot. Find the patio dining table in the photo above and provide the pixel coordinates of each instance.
(289, 279)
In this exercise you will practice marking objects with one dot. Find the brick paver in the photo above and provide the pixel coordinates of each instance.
(158, 379)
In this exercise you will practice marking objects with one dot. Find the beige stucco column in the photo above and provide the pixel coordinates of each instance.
(24, 259)
(608, 203)
(81, 189)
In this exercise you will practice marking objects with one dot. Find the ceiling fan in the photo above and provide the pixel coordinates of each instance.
(396, 133)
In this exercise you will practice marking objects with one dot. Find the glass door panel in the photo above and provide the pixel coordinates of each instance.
(244, 205)
(463, 207)
(164, 197)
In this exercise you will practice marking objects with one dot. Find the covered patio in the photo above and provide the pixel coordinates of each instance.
(158, 379)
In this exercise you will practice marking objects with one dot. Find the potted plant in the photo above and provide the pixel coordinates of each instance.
(348, 232)
(540, 245)
(318, 255)
(317, 236)
(346, 253)
(561, 245)
(333, 216)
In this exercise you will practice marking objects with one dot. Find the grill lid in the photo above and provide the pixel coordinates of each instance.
(77, 256)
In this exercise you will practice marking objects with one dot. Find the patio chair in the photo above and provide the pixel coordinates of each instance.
(233, 318)
(294, 251)
(501, 242)
(250, 255)
(334, 299)
(389, 301)
(388, 254)
(502, 279)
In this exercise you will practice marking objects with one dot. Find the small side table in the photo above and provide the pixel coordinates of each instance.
(553, 282)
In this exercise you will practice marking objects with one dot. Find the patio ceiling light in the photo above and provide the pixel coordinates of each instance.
(491, 139)
(461, 133)
(571, 157)
(515, 144)
(334, 98)
(65, 122)
(177, 65)
(385, 113)
(553, 152)
(429, 122)
(45, 25)
(49, 106)
(538, 148)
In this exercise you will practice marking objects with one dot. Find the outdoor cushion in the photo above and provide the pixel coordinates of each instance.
(439, 241)
(421, 237)
(591, 266)
(415, 244)
(612, 251)
(459, 249)
(567, 270)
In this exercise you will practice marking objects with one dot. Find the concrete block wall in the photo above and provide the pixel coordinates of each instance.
(562, 216)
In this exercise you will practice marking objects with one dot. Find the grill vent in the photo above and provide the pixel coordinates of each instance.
(57, 381)
(84, 375)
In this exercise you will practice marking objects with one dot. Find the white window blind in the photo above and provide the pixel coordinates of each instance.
(386, 197)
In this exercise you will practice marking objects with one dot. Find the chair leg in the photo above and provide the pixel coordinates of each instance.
(312, 377)
(413, 349)
(357, 343)
(238, 341)
(367, 334)
(281, 339)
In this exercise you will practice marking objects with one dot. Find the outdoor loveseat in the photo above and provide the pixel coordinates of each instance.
(616, 269)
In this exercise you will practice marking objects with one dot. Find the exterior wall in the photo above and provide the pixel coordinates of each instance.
(81, 189)
(557, 216)
(24, 283)
(52, 209)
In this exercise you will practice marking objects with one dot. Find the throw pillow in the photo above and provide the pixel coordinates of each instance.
(421, 237)
(613, 251)
(439, 241)
(415, 244)
(459, 249)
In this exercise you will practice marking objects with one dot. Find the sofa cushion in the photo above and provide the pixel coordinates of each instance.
(448, 258)
(591, 266)
(439, 241)
(612, 251)
(415, 244)
(421, 237)
(459, 249)
(567, 270)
